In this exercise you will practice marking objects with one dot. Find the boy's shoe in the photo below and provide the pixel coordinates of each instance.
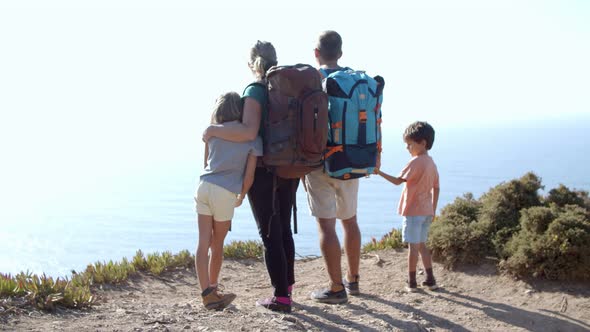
(430, 284)
(411, 287)
(273, 304)
(215, 300)
(352, 288)
(328, 296)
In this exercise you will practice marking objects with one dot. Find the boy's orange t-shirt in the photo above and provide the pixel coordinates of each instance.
(421, 177)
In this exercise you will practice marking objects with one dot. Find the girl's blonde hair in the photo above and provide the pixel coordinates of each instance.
(228, 107)
(262, 57)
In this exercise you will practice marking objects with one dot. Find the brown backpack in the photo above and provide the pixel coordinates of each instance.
(296, 125)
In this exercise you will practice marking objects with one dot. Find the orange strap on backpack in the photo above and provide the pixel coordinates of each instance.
(332, 150)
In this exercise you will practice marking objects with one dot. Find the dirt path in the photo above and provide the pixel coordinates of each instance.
(474, 299)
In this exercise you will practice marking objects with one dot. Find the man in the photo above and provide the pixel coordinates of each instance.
(330, 199)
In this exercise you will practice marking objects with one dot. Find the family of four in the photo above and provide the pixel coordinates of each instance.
(233, 169)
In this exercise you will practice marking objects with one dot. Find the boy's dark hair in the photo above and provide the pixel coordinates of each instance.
(330, 45)
(419, 131)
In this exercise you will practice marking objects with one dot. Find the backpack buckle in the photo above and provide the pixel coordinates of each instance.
(363, 116)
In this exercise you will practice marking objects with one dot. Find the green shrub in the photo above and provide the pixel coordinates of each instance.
(562, 196)
(561, 252)
(455, 239)
(243, 249)
(502, 204)
(45, 292)
(391, 240)
(456, 236)
(7, 285)
(156, 264)
(77, 293)
(111, 272)
(465, 206)
(184, 259)
(536, 219)
(139, 261)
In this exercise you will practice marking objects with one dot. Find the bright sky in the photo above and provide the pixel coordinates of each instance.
(92, 88)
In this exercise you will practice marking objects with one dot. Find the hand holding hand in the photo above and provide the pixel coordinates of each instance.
(377, 165)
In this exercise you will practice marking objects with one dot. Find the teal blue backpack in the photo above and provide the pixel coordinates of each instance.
(354, 137)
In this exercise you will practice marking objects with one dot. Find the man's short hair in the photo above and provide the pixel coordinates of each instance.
(330, 45)
(419, 131)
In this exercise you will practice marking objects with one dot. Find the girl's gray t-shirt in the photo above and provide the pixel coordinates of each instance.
(226, 162)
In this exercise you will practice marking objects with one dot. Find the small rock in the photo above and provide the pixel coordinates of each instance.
(529, 291)
(187, 327)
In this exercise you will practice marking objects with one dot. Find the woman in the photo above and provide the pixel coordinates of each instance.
(273, 224)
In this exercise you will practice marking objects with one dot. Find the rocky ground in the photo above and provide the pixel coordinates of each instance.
(471, 299)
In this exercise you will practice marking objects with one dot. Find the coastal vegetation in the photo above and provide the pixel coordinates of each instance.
(45, 292)
(391, 240)
(530, 236)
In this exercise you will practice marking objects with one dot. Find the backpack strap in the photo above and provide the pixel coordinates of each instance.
(294, 192)
(325, 73)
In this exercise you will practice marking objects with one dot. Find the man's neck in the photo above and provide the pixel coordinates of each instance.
(330, 65)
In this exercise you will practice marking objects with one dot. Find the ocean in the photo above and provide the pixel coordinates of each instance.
(152, 208)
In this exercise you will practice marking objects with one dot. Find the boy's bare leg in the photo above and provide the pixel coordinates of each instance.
(413, 261)
(427, 262)
(425, 254)
(330, 247)
(202, 255)
(352, 247)
(220, 229)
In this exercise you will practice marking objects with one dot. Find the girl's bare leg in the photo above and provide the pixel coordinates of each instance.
(220, 229)
(202, 256)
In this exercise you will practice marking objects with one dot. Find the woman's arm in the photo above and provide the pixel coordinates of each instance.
(392, 179)
(245, 131)
(248, 178)
(206, 154)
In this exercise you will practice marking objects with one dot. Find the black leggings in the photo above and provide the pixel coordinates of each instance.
(275, 230)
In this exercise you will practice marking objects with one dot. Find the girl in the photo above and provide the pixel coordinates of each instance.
(228, 175)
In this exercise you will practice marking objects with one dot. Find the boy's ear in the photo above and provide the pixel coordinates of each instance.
(340, 55)
(316, 52)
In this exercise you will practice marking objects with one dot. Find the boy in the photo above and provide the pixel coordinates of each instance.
(418, 200)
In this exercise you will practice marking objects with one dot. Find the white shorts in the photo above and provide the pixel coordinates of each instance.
(213, 200)
(331, 198)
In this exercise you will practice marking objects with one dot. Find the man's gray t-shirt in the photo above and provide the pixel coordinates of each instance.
(226, 162)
